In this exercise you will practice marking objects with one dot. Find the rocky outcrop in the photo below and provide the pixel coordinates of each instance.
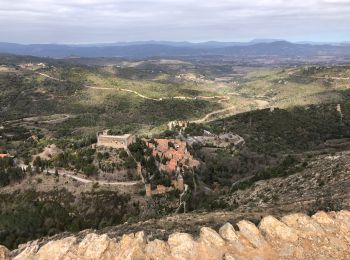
(296, 236)
(4, 253)
(323, 184)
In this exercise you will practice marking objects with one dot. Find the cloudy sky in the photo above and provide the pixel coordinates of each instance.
(89, 21)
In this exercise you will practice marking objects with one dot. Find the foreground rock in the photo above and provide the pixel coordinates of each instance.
(296, 236)
(4, 253)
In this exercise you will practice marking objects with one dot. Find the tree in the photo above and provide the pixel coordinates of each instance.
(29, 169)
(123, 154)
(130, 163)
(99, 156)
(90, 170)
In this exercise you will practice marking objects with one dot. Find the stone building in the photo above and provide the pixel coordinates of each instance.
(174, 152)
(220, 141)
(114, 141)
(180, 124)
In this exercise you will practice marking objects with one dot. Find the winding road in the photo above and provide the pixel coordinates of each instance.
(201, 120)
(207, 116)
(221, 98)
(49, 77)
(65, 173)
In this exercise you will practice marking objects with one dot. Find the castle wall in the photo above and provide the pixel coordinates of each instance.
(118, 142)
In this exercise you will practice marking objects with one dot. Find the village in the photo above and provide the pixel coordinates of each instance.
(171, 158)
(158, 164)
(171, 155)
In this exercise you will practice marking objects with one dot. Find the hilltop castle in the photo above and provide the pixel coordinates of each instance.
(114, 141)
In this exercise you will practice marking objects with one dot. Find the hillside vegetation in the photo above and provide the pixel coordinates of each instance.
(294, 119)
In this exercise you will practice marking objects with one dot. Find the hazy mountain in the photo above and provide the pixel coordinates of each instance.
(264, 41)
(163, 49)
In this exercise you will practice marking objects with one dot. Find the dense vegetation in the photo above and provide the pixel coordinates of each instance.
(143, 155)
(24, 95)
(30, 215)
(9, 173)
(298, 129)
(27, 93)
(269, 136)
(286, 167)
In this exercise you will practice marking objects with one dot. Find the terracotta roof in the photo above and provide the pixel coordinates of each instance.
(3, 155)
(176, 155)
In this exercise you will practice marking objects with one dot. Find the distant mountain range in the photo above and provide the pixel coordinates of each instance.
(178, 49)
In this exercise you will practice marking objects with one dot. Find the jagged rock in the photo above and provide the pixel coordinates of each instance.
(182, 246)
(335, 227)
(228, 232)
(239, 245)
(323, 218)
(29, 250)
(281, 237)
(297, 236)
(4, 253)
(343, 221)
(210, 244)
(252, 234)
(157, 250)
(57, 250)
(343, 218)
(304, 225)
(325, 221)
(132, 246)
(211, 237)
(275, 229)
(94, 246)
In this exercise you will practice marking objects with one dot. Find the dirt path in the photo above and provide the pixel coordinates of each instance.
(41, 119)
(220, 98)
(201, 120)
(49, 77)
(58, 120)
(335, 78)
(216, 112)
(86, 181)
(205, 118)
(65, 173)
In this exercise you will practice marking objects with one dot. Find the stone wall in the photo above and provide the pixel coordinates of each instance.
(115, 141)
(296, 236)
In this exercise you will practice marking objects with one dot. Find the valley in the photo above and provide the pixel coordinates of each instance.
(246, 136)
(174, 130)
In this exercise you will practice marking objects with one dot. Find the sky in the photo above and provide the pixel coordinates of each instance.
(103, 21)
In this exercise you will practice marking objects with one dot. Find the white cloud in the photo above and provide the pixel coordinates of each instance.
(116, 20)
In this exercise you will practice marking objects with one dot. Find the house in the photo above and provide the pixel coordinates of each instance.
(4, 155)
(182, 125)
(172, 152)
(220, 141)
(104, 139)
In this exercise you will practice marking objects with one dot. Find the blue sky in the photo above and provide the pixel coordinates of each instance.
(89, 21)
